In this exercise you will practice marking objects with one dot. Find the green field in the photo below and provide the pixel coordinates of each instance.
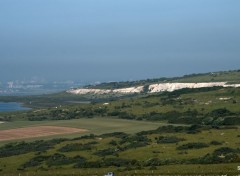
(93, 125)
(165, 152)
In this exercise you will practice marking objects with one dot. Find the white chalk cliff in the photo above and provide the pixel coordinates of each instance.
(153, 88)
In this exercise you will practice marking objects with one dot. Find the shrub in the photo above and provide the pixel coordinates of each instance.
(168, 139)
(105, 152)
(193, 145)
(19, 148)
(59, 159)
(216, 143)
(221, 112)
(76, 147)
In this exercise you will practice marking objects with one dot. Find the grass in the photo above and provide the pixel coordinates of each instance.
(229, 137)
(222, 76)
(201, 101)
(172, 170)
(93, 125)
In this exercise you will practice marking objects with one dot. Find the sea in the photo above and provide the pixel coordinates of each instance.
(12, 106)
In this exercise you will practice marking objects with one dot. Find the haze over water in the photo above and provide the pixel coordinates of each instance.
(107, 40)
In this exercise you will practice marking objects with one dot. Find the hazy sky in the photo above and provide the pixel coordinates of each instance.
(109, 40)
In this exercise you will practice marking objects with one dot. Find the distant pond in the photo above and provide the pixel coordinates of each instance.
(12, 106)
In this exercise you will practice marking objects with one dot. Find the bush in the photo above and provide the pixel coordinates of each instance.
(112, 142)
(216, 143)
(105, 152)
(231, 121)
(19, 148)
(115, 134)
(193, 145)
(168, 139)
(75, 147)
(124, 115)
(221, 155)
(221, 112)
(53, 160)
(118, 162)
(60, 159)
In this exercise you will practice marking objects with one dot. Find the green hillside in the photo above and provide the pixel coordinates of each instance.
(222, 76)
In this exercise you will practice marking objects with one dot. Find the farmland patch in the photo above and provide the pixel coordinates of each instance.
(38, 131)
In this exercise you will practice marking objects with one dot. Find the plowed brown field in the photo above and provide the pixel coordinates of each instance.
(38, 131)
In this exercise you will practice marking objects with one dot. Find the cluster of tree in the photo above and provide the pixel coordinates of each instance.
(62, 114)
(221, 112)
(126, 142)
(216, 143)
(53, 160)
(78, 161)
(192, 145)
(106, 152)
(171, 116)
(168, 139)
(6, 118)
(221, 116)
(19, 148)
(173, 129)
(90, 136)
(115, 134)
(216, 117)
(179, 92)
(134, 141)
(220, 155)
(77, 147)
(108, 162)
(199, 145)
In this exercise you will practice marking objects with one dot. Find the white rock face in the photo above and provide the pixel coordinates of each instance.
(88, 91)
(153, 88)
(231, 85)
(128, 90)
(169, 87)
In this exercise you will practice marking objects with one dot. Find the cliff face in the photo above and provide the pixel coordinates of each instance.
(153, 88)
(176, 86)
(129, 90)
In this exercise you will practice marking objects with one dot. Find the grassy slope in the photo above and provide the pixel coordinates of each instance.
(224, 76)
(229, 138)
(201, 101)
(94, 125)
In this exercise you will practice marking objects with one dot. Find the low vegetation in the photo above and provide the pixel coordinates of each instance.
(123, 152)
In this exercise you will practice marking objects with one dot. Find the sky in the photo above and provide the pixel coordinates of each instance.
(117, 40)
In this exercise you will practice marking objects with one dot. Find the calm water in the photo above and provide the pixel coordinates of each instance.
(11, 106)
